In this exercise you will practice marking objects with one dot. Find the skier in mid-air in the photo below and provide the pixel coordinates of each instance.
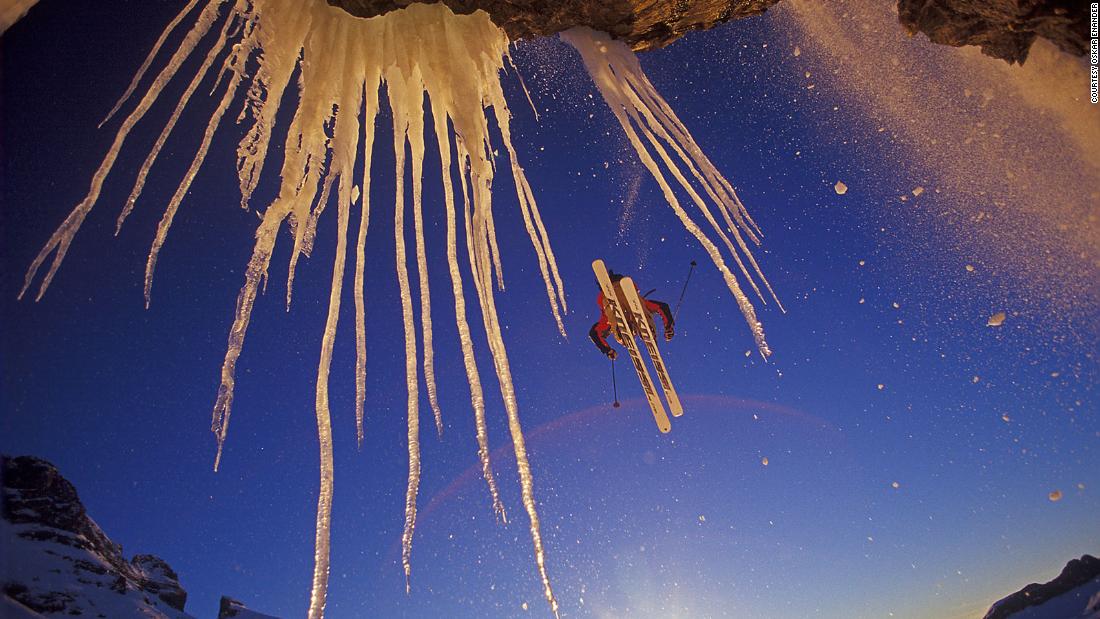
(628, 315)
(602, 328)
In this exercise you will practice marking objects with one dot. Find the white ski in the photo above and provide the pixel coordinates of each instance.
(644, 326)
(615, 307)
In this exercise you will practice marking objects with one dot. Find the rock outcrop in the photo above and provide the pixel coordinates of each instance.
(643, 24)
(1062, 592)
(1002, 28)
(62, 563)
(232, 609)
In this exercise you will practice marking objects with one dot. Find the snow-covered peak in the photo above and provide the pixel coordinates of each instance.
(61, 562)
(1075, 593)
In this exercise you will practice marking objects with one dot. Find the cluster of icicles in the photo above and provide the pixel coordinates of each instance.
(341, 62)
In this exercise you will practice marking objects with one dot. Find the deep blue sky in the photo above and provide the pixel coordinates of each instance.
(976, 425)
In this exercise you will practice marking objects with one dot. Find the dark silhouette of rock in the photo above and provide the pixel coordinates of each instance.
(233, 609)
(64, 563)
(643, 24)
(1003, 28)
(1076, 573)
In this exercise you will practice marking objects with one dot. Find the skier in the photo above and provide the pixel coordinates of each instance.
(602, 328)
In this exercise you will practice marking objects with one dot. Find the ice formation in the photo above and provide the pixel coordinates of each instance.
(341, 62)
(12, 10)
(640, 109)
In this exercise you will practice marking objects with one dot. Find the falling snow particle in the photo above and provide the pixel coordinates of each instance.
(881, 386)
(996, 320)
(840, 188)
(917, 191)
(764, 461)
(969, 268)
(1055, 496)
(895, 485)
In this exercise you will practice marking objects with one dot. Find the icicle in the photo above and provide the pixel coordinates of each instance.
(410, 359)
(639, 107)
(507, 390)
(12, 11)
(344, 143)
(407, 99)
(300, 178)
(200, 75)
(548, 266)
(59, 242)
(235, 64)
(477, 396)
(339, 60)
(370, 98)
(325, 41)
(281, 34)
(148, 60)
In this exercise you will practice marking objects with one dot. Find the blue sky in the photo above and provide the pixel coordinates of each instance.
(976, 425)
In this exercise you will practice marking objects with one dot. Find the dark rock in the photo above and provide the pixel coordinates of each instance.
(1003, 28)
(643, 24)
(160, 579)
(233, 609)
(1076, 573)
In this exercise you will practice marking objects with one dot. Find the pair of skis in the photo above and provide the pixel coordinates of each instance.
(624, 306)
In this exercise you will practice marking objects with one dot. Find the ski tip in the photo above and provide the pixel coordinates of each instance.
(665, 428)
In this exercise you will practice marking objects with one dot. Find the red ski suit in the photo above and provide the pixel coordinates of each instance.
(602, 329)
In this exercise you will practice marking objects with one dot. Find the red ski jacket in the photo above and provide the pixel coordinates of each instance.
(602, 328)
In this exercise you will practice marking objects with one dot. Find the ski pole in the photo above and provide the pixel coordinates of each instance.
(684, 291)
(614, 385)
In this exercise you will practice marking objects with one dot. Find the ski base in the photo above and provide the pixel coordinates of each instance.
(616, 308)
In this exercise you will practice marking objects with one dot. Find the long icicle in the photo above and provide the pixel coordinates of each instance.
(149, 60)
(664, 123)
(154, 152)
(410, 356)
(473, 376)
(344, 146)
(59, 241)
(607, 63)
(299, 185)
(370, 97)
(476, 246)
(415, 101)
(235, 64)
(548, 266)
(324, 422)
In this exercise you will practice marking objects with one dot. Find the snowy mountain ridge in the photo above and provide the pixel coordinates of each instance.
(1074, 594)
(62, 563)
(58, 562)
